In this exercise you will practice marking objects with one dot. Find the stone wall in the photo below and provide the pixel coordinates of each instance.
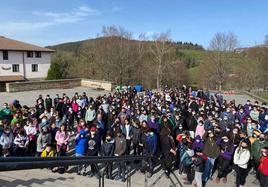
(61, 84)
(105, 85)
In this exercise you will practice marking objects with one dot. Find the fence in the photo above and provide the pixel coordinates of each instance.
(24, 163)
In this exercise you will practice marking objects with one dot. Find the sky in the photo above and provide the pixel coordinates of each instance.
(50, 22)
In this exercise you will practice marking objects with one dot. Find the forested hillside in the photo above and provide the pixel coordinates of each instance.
(116, 56)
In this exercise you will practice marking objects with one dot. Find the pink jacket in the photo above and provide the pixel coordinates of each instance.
(200, 130)
(62, 138)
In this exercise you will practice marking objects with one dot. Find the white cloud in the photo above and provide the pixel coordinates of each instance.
(74, 16)
(19, 27)
(89, 11)
(22, 28)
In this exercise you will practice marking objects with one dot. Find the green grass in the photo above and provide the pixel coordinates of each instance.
(193, 74)
(197, 54)
(264, 96)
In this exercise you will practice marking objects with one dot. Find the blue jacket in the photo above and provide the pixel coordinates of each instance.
(263, 122)
(152, 142)
(81, 143)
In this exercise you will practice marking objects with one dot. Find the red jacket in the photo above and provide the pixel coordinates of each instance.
(75, 106)
(263, 167)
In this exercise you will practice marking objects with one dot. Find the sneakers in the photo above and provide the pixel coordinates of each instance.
(167, 173)
(256, 182)
(91, 174)
(97, 176)
(109, 177)
(122, 179)
(117, 178)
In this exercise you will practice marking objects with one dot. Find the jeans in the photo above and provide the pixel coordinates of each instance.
(208, 169)
(198, 178)
(263, 180)
(128, 147)
(147, 165)
(241, 175)
(81, 168)
(188, 171)
(94, 169)
(109, 169)
(121, 169)
(224, 167)
(137, 149)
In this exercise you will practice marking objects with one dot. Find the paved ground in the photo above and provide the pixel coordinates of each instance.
(28, 98)
(239, 99)
(46, 178)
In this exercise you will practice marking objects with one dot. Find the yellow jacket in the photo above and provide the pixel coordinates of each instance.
(50, 154)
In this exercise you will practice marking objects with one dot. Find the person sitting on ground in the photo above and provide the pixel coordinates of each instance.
(49, 152)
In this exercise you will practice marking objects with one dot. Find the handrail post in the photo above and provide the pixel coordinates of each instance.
(99, 181)
(102, 176)
(128, 176)
(130, 181)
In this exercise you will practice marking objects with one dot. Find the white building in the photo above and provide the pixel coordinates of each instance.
(22, 61)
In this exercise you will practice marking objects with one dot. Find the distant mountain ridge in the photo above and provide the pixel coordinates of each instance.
(74, 46)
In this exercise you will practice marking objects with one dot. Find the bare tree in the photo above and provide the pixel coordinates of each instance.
(223, 42)
(160, 47)
(221, 46)
(114, 54)
(247, 74)
(139, 52)
(86, 61)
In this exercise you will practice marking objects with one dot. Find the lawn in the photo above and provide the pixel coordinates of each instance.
(193, 74)
(264, 96)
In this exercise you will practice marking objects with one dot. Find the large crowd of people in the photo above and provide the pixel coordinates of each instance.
(198, 134)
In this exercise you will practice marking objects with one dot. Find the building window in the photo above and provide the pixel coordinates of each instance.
(29, 54)
(5, 55)
(15, 68)
(34, 67)
(37, 54)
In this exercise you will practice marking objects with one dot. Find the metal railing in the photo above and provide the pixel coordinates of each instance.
(24, 163)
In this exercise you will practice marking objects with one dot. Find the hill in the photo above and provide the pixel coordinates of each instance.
(128, 61)
(75, 46)
(106, 48)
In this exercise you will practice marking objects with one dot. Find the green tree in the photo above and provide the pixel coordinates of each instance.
(59, 66)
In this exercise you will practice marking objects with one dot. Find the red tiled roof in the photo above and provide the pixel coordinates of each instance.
(14, 45)
(11, 78)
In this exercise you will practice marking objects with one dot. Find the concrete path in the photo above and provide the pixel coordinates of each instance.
(28, 98)
(44, 177)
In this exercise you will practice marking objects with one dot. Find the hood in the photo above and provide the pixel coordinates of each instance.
(198, 137)
(82, 132)
(190, 152)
